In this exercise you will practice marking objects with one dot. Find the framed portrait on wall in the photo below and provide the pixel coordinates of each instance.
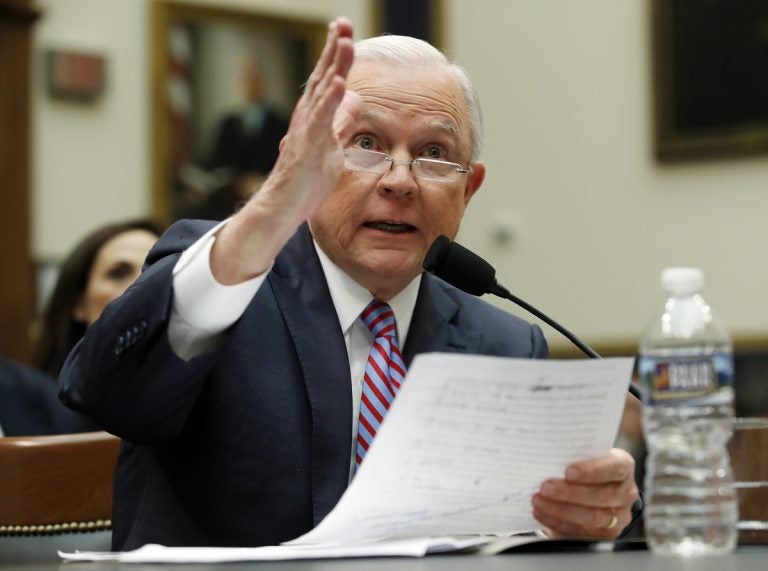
(224, 84)
(710, 67)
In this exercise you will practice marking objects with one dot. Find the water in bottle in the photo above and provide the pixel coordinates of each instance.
(686, 365)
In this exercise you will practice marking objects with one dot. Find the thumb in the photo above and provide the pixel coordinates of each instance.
(348, 114)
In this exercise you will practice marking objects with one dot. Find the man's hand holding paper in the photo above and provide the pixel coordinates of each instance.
(594, 499)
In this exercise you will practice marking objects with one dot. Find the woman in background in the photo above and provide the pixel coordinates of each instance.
(99, 269)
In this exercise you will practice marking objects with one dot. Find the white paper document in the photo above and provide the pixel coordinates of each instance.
(466, 443)
(409, 547)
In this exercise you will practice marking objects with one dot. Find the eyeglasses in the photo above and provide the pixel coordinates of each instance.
(427, 169)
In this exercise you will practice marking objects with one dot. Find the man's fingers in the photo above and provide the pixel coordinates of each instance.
(344, 56)
(331, 87)
(327, 84)
(313, 120)
(348, 114)
(569, 520)
(610, 495)
(594, 499)
(616, 466)
(329, 50)
(333, 60)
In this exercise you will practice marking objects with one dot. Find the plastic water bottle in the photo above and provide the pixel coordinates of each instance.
(686, 365)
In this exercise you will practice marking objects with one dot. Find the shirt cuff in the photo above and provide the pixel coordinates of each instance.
(202, 307)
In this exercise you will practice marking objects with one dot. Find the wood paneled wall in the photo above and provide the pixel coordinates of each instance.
(17, 286)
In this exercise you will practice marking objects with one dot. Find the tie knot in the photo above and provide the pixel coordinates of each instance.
(379, 318)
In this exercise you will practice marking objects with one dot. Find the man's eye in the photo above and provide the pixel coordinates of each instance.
(433, 153)
(365, 142)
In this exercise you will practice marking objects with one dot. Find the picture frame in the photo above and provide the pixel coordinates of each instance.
(710, 82)
(199, 57)
(423, 19)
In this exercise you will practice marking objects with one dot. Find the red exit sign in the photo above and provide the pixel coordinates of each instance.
(75, 75)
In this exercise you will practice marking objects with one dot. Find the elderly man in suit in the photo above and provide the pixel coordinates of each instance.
(235, 368)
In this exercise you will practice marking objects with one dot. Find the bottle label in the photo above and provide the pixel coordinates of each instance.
(704, 380)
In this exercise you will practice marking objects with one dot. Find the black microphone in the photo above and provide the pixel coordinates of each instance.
(467, 271)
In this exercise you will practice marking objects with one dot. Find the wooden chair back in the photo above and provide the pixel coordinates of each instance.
(55, 484)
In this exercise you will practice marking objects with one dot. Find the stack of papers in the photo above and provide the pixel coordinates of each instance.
(465, 445)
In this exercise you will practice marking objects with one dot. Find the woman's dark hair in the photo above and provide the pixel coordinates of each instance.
(59, 331)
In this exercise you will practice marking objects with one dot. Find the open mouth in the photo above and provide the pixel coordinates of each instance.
(393, 227)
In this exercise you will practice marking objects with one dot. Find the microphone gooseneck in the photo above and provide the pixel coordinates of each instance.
(467, 271)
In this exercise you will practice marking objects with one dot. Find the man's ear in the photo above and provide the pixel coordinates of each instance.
(474, 181)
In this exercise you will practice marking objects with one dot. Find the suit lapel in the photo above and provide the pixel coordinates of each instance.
(434, 324)
(305, 302)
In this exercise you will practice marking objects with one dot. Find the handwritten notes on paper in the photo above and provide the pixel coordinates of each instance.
(469, 439)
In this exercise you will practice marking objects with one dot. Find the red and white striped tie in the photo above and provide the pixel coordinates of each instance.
(384, 373)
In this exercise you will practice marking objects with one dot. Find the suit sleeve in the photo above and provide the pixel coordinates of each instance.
(124, 373)
(203, 308)
(538, 343)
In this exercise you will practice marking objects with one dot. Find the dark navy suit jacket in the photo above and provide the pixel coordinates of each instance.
(29, 405)
(250, 443)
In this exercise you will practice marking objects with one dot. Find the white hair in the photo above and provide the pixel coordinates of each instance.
(404, 50)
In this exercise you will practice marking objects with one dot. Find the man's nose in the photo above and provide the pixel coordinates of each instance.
(399, 179)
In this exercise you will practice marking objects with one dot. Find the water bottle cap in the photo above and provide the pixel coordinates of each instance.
(682, 281)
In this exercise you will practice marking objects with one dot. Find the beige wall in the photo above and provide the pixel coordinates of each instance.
(90, 161)
(566, 94)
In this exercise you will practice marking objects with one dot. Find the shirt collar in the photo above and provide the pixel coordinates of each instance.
(350, 298)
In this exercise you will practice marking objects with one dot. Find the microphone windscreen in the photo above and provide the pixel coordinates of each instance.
(437, 253)
(460, 267)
